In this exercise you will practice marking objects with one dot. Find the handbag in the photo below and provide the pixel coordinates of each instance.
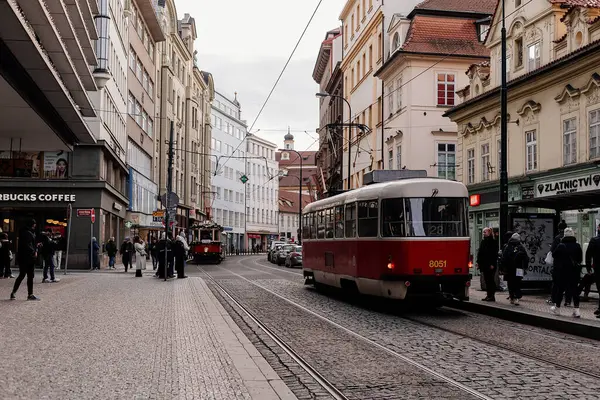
(549, 260)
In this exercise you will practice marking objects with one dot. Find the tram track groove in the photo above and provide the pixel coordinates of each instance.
(351, 332)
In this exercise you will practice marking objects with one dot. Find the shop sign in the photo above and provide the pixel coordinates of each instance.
(528, 192)
(31, 197)
(474, 200)
(568, 185)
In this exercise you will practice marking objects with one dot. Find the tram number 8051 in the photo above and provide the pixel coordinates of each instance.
(438, 263)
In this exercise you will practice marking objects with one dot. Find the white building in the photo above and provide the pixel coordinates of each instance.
(289, 213)
(262, 192)
(228, 189)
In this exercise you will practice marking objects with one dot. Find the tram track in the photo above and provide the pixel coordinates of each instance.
(311, 370)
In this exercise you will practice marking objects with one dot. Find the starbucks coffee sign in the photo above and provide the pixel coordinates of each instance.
(576, 184)
(41, 197)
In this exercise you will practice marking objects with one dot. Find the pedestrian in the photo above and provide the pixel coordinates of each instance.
(567, 269)
(487, 262)
(127, 253)
(163, 248)
(592, 260)
(140, 256)
(26, 256)
(58, 250)
(180, 249)
(154, 253)
(111, 251)
(94, 251)
(48, 248)
(6, 256)
(562, 225)
(170, 256)
(514, 264)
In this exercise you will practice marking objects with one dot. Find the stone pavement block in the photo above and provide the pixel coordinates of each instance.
(261, 390)
(282, 390)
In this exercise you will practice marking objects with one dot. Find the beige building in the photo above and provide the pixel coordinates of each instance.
(449, 37)
(184, 96)
(554, 116)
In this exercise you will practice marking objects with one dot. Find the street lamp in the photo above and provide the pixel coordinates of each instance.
(503, 137)
(323, 95)
(299, 198)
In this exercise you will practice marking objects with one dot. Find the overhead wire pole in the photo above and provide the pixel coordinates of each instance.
(503, 137)
(167, 195)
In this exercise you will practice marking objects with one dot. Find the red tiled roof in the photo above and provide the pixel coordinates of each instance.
(291, 179)
(466, 6)
(443, 35)
(288, 201)
(578, 3)
(308, 158)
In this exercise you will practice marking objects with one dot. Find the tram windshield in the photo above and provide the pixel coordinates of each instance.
(206, 235)
(424, 217)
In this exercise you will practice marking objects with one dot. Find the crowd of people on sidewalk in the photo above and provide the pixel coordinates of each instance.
(565, 256)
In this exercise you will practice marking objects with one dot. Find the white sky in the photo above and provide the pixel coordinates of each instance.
(245, 44)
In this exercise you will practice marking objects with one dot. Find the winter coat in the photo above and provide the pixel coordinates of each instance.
(514, 256)
(163, 246)
(111, 248)
(140, 256)
(567, 260)
(48, 246)
(179, 251)
(487, 255)
(127, 250)
(557, 240)
(95, 248)
(592, 255)
(27, 252)
(4, 254)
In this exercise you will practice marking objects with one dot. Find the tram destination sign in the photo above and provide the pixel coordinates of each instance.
(576, 184)
(33, 197)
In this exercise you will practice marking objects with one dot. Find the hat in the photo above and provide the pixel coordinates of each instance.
(562, 225)
(569, 232)
(516, 236)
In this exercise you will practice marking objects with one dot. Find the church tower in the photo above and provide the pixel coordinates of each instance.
(288, 141)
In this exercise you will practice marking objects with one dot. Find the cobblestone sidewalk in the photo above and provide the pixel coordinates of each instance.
(114, 336)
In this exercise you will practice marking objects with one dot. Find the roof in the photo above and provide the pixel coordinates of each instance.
(308, 158)
(577, 3)
(324, 54)
(288, 201)
(457, 6)
(292, 178)
(444, 35)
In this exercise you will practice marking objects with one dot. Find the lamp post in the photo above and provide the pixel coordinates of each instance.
(299, 198)
(349, 131)
(503, 137)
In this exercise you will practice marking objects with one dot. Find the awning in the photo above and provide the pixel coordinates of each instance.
(563, 202)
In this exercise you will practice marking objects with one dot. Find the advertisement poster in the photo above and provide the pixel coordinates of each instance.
(56, 165)
(26, 165)
(537, 234)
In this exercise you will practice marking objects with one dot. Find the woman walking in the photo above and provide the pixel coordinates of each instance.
(567, 269)
(514, 264)
(140, 256)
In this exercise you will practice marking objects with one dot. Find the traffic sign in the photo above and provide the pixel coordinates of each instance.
(173, 199)
(85, 212)
(244, 179)
(93, 216)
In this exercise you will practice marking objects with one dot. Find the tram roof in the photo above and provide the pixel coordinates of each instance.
(414, 187)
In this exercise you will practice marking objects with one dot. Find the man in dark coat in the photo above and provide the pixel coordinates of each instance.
(487, 261)
(127, 253)
(592, 259)
(567, 269)
(111, 252)
(164, 252)
(26, 256)
(180, 252)
(47, 249)
(514, 263)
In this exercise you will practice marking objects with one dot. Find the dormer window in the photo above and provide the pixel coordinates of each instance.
(396, 42)
(483, 31)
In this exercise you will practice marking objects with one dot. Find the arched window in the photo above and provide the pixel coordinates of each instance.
(396, 41)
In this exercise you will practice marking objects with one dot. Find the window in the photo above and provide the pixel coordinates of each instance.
(312, 221)
(391, 99)
(396, 42)
(594, 133)
(364, 63)
(533, 56)
(138, 69)
(483, 30)
(367, 218)
(446, 160)
(470, 166)
(144, 121)
(145, 81)
(131, 105)
(390, 159)
(132, 59)
(569, 141)
(138, 113)
(321, 224)
(358, 72)
(518, 52)
(485, 162)
(445, 89)
(339, 221)
(370, 57)
(517, 3)
(531, 150)
(150, 130)
(328, 223)
(436, 216)
(350, 220)
(399, 93)
(399, 157)
(392, 218)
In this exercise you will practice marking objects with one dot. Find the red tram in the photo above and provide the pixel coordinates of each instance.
(207, 248)
(397, 239)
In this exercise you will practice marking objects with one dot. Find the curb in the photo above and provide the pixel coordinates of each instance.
(581, 327)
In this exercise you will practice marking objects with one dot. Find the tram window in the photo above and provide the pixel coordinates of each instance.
(392, 218)
(351, 220)
(329, 223)
(339, 221)
(367, 218)
(321, 224)
(312, 223)
(436, 216)
(306, 226)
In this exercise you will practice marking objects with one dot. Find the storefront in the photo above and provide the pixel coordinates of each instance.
(48, 203)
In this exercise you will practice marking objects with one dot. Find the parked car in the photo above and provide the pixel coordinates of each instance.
(283, 252)
(273, 247)
(294, 258)
(273, 253)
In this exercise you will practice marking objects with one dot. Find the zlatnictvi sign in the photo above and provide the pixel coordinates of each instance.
(568, 185)
(31, 197)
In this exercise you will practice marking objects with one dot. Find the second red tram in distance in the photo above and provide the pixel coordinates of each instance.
(397, 239)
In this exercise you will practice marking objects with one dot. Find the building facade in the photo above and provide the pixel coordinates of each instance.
(289, 214)
(327, 74)
(365, 47)
(144, 33)
(416, 134)
(229, 132)
(262, 193)
(553, 113)
(291, 161)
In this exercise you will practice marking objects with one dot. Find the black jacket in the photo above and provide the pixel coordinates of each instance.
(27, 252)
(111, 248)
(567, 259)
(557, 240)
(5, 253)
(514, 256)
(592, 255)
(48, 245)
(487, 255)
(127, 249)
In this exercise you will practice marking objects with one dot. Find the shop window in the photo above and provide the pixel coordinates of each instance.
(367, 218)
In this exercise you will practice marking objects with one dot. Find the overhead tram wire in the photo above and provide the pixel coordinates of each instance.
(280, 75)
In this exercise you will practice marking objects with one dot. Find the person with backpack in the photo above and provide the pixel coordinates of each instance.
(592, 261)
(567, 270)
(514, 264)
